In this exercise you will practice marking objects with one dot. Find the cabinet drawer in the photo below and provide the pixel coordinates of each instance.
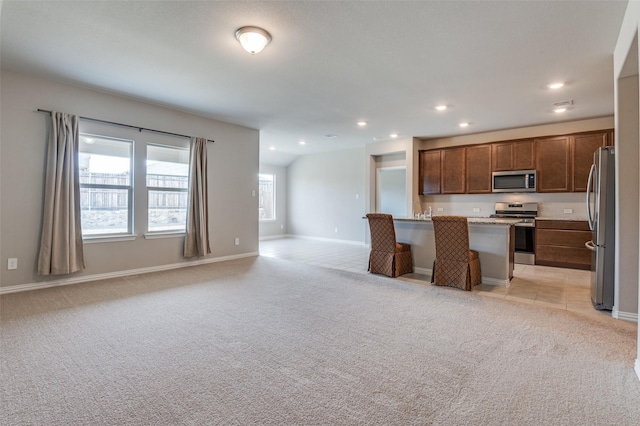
(568, 257)
(557, 237)
(580, 225)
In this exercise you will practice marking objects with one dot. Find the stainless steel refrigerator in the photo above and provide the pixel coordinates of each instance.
(601, 209)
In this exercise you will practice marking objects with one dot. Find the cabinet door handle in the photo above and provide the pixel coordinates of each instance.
(590, 245)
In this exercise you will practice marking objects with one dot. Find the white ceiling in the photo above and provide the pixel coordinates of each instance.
(330, 63)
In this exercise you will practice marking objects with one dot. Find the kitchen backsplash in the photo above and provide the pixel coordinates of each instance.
(563, 205)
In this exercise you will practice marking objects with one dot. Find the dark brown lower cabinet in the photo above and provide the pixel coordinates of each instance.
(561, 243)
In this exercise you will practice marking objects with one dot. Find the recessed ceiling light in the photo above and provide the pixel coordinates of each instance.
(557, 85)
(464, 124)
(393, 135)
(441, 107)
(302, 142)
(362, 123)
(559, 109)
(272, 148)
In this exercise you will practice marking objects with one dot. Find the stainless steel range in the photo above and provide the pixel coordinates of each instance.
(525, 251)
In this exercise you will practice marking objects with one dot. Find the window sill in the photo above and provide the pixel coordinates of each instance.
(108, 239)
(167, 234)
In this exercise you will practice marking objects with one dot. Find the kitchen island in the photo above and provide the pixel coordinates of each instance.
(493, 238)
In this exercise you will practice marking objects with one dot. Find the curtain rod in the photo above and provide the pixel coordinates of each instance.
(140, 129)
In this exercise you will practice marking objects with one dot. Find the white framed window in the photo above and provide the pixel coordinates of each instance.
(167, 186)
(266, 196)
(106, 185)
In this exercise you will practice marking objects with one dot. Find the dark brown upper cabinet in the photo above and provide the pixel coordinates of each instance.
(429, 172)
(513, 155)
(553, 164)
(479, 169)
(454, 165)
(582, 149)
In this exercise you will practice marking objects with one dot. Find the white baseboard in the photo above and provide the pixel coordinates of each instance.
(273, 237)
(331, 240)
(485, 280)
(626, 316)
(637, 368)
(495, 281)
(118, 274)
(422, 271)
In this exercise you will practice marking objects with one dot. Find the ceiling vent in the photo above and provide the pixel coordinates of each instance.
(563, 104)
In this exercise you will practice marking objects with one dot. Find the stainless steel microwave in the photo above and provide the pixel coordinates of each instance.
(516, 181)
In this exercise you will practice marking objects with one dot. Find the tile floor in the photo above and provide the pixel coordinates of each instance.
(538, 285)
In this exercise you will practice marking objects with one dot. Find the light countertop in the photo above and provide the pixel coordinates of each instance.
(471, 220)
(572, 218)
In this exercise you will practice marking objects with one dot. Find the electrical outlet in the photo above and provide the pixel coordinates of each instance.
(12, 263)
(237, 242)
(281, 226)
(336, 230)
(568, 211)
(357, 196)
(253, 193)
(476, 209)
(439, 209)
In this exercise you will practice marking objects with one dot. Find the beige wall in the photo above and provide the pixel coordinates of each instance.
(325, 196)
(627, 99)
(233, 174)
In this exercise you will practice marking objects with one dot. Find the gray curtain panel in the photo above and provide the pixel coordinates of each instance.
(196, 241)
(61, 249)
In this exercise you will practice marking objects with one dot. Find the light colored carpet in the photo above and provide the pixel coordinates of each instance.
(269, 341)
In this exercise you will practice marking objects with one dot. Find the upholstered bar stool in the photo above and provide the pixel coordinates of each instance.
(387, 256)
(455, 264)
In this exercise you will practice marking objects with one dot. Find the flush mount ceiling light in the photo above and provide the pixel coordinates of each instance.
(272, 148)
(361, 123)
(464, 124)
(441, 107)
(393, 135)
(302, 142)
(253, 39)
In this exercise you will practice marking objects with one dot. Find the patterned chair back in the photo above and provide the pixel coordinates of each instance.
(452, 238)
(383, 233)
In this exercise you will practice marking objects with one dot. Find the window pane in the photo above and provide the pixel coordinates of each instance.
(167, 167)
(104, 211)
(266, 197)
(167, 210)
(105, 162)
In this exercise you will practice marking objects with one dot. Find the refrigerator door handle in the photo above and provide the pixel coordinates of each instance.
(589, 182)
(590, 245)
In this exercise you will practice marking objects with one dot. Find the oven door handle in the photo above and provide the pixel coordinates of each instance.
(525, 225)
